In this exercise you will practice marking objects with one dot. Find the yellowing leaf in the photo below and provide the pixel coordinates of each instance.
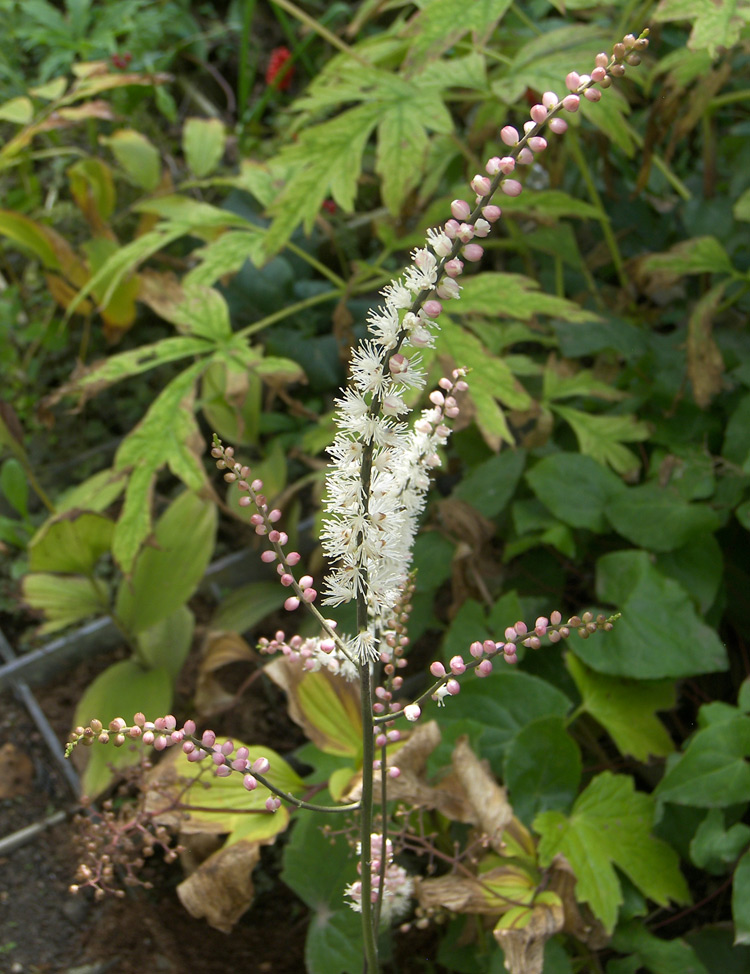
(203, 142)
(137, 156)
(626, 709)
(18, 110)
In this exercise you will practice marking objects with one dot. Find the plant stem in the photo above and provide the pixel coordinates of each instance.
(245, 73)
(368, 756)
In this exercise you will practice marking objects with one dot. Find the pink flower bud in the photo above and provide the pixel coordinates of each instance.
(245, 501)
(476, 649)
(525, 156)
(208, 739)
(454, 267)
(460, 209)
(509, 135)
(558, 125)
(398, 364)
(481, 228)
(473, 252)
(481, 186)
(493, 166)
(484, 668)
(507, 165)
(555, 618)
(598, 74)
(268, 557)
(510, 634)
(457, 665)
(249, 782)
(291, 603)
(521, 628)
(437, 669)
(511, 187)
(491, 213)
(465, 232)
(432, 308)
(549, 99)
(309, 595)
(380, 740)
(571, 103)
(592, 94)
(451, 228)
(489, 646)
(453, 687)
(412, 712)
(286, 579)
(538, 114)
(448, 289)
(274, 537)
(572, 80)
(537, 144)
(273, 804)
(274, 515)
(394, 772)
(293, 557)
(601, 61)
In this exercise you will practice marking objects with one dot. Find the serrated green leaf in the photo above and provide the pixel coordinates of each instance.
(490, 382)
(550, 204)
(71, 542)
(325, 160)
(138, 157)
(699, 255)
(122, 690)
(542, 768)
(575, 488)
(203, 141)
(626, 709)
(601, 437)
(203, 313)
(167, 643)
(713, 771)
(225, 255)
(515, 296)
(657, 518)
(714, 25)
(168, 434)
(166, 575)
(64, 599)
(610, 825)
(659, 634)
(436, 27)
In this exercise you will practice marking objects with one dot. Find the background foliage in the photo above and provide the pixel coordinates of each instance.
(186, 248)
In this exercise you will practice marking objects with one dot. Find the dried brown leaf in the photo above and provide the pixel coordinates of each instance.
(222, 889)
(488, 799)
(219, 650)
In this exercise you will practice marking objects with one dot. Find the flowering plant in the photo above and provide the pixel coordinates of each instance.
(376, 489)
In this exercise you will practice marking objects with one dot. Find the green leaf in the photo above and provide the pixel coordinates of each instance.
(20, 111)
(70, 542)
(93, 189)
(203, 313)
(542, 768)
(736, 446)
(714, 26)
(325, 161)
(741, 900)
(698, 567)
(168, 434)
(601, 437)
(713, 771)
(95, 493)
(14, 485)
(490, 486)
(167, 643)
(203, 141)
(610, 825)
(659, 634)
(331, 714)
(715, 847)
(490, 381)
(335, 931)
(626, 709)
(575, 488)
(550, 204)
(31, 236)
(167, 574)
(741, 209)
(64, 599)
(502, 704)
(515, 296)
(656, 955)
(657, 518)
(248, 605)
(436, 28)
(699, 255)
(137, 156)
(122, 690)
(225, 255)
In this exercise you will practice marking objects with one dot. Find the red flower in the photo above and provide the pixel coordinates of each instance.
(121, 61)
(278, 68)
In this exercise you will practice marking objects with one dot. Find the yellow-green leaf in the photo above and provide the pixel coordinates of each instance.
(18, 110)
(203, 141)
(137, 156)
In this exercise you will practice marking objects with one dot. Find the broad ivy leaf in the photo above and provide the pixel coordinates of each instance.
(575, 488)
(626, 709)
(610, 825)
(714, 771)
(166, 574)
(490, 486)
(659, 634)
(542, 768)
(715, 847)
(657, 518)
(659, 956)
